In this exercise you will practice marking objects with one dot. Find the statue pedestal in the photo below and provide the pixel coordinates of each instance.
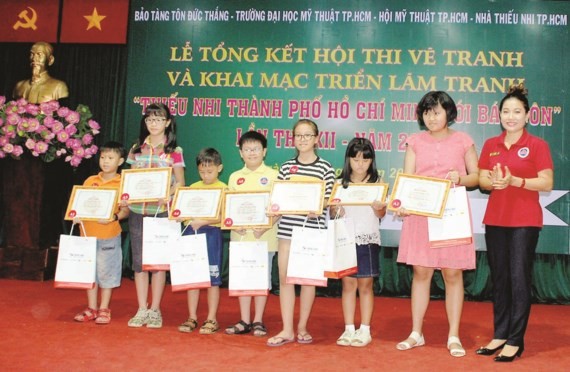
(34, 198)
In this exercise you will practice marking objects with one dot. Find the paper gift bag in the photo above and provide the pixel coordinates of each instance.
(306, 257)
(76, 262)
(249, 271)
(189, 264)
(455, 227)
(340, 252)
(157, 234)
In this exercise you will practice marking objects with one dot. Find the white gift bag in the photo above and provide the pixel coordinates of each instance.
(76, 262)
(307, 257)
(249, 271)
(189, 264)
(455, 227)
(157, 235)
(340, 252)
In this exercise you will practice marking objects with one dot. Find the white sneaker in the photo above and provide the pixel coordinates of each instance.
(345, 339)
(361, 339)
(154, 319)
(140, 318)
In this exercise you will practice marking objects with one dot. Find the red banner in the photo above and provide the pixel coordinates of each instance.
(94, 21)
(29, 21)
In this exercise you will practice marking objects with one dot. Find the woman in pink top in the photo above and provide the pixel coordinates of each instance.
(443, 153)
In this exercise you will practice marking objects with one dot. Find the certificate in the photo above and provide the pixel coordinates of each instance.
(424, 196)
(199, 203)
(91, 203)
(243, 210)
(297, 197)
(145, 185)
(358, 193)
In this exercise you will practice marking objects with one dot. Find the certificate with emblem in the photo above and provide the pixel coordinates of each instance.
(91, 203)
(297, 197)
(246, 209)
(424, 196)
(202, 203)
(358, 193)
(145, 185)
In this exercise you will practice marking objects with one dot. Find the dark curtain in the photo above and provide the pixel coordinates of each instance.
(96, 76)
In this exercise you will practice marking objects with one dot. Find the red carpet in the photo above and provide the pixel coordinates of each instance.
(38, 333)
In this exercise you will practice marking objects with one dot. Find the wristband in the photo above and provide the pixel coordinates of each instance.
(523, 183)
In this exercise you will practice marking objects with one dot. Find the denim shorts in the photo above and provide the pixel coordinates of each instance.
(367, 258)
(214, 240)
(109, 262)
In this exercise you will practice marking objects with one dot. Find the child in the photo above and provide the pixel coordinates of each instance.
(209, 162)
(306, 165)
(444, 153)
(254, 176)
(109, 257)
(360, 167)
(155, 148)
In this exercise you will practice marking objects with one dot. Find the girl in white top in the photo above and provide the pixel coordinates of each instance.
(360, 167)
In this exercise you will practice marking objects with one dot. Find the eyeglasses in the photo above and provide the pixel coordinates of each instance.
(305, 137)
(254, 150)
(153, 120)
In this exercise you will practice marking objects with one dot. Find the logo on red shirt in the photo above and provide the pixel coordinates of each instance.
(240, 181)
(72, 213)
(228, 222)
(396, 203)
(294, 169)
(524, 152)
(125, 196)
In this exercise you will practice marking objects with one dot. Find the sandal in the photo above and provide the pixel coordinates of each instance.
(259, 329)
(86, 315)
(419, 341)
(455, 351)
(103, 316)
(239, 328)
(188, 326)
(209, 327)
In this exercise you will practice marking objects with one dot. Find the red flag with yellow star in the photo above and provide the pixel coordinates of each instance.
(94, 21)
(29, 21)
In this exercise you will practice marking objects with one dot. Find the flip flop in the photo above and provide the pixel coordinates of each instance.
(304, 338)
(282, 341)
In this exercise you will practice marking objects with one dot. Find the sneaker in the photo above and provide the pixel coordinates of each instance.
(345, 339)
(140, 319)
(360, 339)
(154, 319)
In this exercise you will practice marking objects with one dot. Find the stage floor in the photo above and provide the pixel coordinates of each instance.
(39, 333)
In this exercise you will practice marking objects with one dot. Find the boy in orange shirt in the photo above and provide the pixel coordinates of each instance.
(108, 233)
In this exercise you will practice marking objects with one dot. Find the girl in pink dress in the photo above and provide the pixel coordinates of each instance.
(438, 152)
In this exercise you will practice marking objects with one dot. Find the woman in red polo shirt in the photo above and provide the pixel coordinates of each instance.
(514, 167)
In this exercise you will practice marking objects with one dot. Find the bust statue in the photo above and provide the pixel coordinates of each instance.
(41, 87)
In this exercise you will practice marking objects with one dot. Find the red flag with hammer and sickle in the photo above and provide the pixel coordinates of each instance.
(29, 20)
(95, 21)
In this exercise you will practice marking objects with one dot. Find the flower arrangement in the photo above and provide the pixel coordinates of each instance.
(47, 130)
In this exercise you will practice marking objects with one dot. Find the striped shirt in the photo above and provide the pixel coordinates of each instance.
(295, 171)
